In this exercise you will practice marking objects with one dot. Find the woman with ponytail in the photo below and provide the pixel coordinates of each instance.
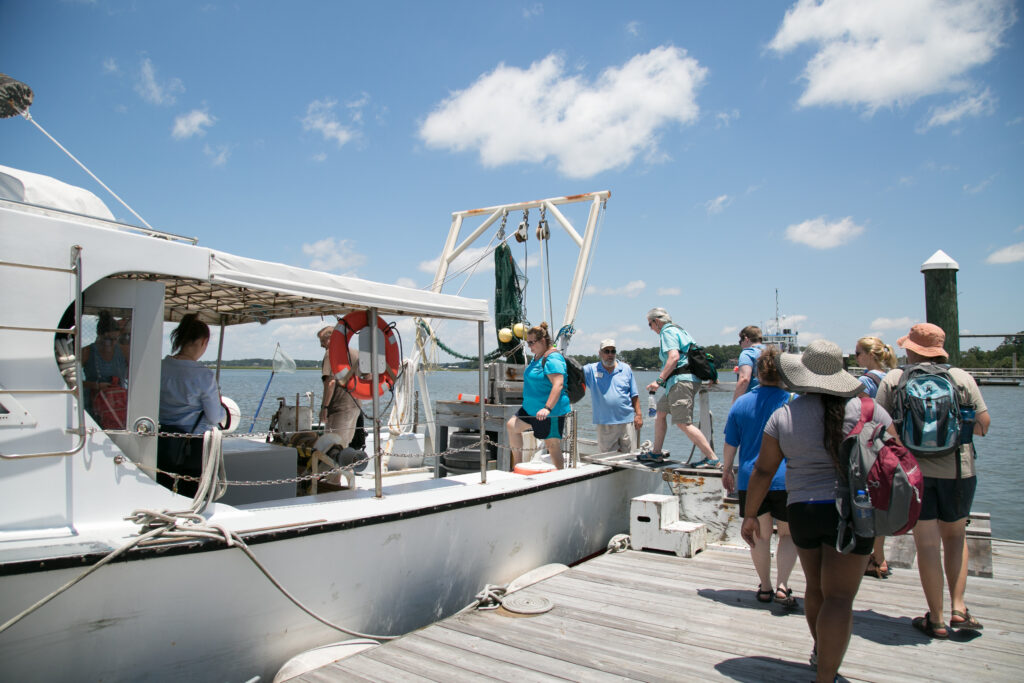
(189, 403)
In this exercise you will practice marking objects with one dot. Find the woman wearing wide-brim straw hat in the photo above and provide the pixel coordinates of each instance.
(807, 433)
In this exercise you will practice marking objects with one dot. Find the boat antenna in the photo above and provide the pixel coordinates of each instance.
(15, 100)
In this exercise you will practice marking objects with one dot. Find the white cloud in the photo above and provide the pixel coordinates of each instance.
(333, 255)
(406, 282)
(187, 125)
(880, 53)
(729, 329)
(1011, 254)
(724, 119)
(903, 323)
(218, 154)
(669, 291)
(792, 321)
(534, 10)
(717, 204)
(473, 259)
(320, 118)
(152, 90)
(532, 115)
(969, 105)
(320, 157)
(1020, 228)
(630, 290)
(821, 234)
(110, 66)
(633, 28)
(1017, 121)
(979, 187)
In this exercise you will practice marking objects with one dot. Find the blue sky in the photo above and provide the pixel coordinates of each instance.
(824, 149)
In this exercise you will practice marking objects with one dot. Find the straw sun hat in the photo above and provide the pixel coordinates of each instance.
(818, 370)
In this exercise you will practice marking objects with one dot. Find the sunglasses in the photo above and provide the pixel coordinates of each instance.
(611, 351)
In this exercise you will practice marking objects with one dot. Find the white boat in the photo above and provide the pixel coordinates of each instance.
(387, 556)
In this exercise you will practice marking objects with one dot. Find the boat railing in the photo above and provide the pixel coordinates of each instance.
(78, 390)
(96, 220)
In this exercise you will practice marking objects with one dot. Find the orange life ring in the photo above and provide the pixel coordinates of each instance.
(341, 364)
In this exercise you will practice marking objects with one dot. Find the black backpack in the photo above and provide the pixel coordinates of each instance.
(701, 364)
(575, 383)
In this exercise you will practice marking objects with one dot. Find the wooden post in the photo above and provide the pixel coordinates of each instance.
(940, 300)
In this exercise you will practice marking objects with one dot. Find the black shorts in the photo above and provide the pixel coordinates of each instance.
(813, 525)
(940, 499)
(551, 428)
(774, 502)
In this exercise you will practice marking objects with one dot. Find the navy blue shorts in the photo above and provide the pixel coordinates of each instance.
(551, 428)
(940, 499)
(774, 502)
(816, 524)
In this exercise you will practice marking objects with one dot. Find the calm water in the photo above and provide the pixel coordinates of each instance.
(1000, 453)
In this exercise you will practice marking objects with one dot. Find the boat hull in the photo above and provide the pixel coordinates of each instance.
(207, 613)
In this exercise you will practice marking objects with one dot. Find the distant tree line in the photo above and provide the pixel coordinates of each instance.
(725, 357)
(1000, 357)
(260, 363)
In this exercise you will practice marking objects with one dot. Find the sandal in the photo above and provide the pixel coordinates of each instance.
(967, 621)
(879, 571)
(763, 595)
(653, 457)
(707, 464)
(930, 628)
(786, 600)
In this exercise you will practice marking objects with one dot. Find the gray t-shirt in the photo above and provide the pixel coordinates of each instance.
(799, 427)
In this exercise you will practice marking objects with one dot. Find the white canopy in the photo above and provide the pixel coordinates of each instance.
(241, 290)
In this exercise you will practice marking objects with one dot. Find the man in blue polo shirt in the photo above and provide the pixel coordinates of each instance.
(615, 399)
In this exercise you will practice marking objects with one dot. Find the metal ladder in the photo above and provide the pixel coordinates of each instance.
(76, 270)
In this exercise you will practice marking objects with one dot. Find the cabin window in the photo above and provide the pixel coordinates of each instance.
(106, 353)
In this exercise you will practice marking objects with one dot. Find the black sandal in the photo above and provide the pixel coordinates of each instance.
(764, 595)
(876, 570)
(930, 628)
(787, 600)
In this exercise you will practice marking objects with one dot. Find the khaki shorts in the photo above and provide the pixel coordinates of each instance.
(678, 401)
(615, 438)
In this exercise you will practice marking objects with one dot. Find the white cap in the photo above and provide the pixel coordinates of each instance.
(606, 343)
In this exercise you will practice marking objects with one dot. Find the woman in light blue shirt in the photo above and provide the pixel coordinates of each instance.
(189, 403)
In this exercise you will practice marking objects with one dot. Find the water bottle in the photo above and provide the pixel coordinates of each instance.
(967, 416)
(863, 515)
(652, 405)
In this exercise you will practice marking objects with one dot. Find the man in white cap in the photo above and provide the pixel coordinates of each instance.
(615, 400)
(941, 532)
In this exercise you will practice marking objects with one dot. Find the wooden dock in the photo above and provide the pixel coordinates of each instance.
(654, 617)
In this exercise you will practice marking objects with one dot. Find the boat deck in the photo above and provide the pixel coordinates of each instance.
(653, 617)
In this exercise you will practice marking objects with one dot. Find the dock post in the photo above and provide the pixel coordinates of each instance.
(940, 300)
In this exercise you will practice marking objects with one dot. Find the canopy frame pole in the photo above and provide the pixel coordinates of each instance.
(482, 404)
(378, 465)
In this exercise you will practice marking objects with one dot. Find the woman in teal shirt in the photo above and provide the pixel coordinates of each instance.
(545, 401)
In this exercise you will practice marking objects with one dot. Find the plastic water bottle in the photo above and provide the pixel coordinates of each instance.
(652, 405)
(863, 515)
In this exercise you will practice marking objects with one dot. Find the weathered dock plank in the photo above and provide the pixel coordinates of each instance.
(653, 617)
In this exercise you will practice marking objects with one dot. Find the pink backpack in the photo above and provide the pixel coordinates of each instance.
(880, 467)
